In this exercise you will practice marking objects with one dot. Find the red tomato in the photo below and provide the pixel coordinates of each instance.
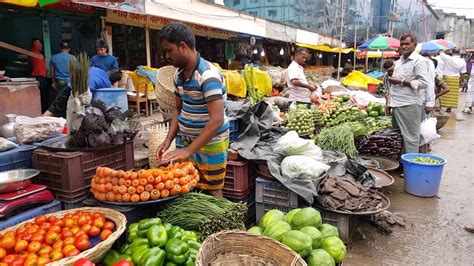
(82, 244)
(9, 258)
(109, 225)
(70, 250)
(123, 263)
(45, 226)
(66, 233)
(69, 241)
(51, 237)
(52, 219)
(56, 255)
(86, 228)
(98, 222)
(34, 247)
(40, 219)
(105, 234)
(83, 262)
(82, 220)
(69, 222)
(20, 246)
(55, 228)
(43, 261)
(18, 261)
(38, 237)
(95, 231)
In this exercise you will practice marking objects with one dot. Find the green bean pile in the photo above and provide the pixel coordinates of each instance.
(204, 214)
(338, 138)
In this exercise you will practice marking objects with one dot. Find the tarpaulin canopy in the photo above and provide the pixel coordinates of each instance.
(326, 48)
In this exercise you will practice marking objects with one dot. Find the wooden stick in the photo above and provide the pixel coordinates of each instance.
(20, 50)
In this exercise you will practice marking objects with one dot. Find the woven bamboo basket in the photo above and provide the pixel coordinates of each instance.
(165, 88)
(238, 248)
(96, 253)
(156, 136)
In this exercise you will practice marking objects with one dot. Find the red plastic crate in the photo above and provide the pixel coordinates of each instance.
(237, 180)
(68, 174)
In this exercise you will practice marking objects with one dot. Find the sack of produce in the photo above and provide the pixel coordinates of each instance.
(6, 144)
(292, 144)
(428, 130)
(30, 130)
(302, 167)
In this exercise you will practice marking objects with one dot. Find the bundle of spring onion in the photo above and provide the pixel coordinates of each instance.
(204, 214)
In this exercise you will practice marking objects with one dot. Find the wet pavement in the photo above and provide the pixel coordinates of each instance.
(435, 233)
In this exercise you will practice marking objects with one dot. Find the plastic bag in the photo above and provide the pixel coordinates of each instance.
(6, 144)
(291, 144)
(29, 130)
(302, 167)
(276, 114)
(428, 130)
(235, 83)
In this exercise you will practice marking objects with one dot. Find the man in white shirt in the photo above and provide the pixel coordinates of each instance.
(428, 96)
(300, 89)
(409, 78)
(454, 68)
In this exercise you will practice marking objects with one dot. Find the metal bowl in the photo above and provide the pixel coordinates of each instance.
(15, 180)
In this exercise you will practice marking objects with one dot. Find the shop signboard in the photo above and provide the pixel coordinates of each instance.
(155, 22)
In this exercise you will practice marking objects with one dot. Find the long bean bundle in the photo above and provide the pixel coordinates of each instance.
(79, 71)
(205, 214)
(338, 138)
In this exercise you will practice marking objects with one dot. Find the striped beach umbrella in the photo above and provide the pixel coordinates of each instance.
(380, 43)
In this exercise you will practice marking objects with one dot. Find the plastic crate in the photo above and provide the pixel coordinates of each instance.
(275, 193)
(72, 172)
(237, 181)
(54, 206)
(17, 158)
(233, 124)
(344, 223)
(73, 204)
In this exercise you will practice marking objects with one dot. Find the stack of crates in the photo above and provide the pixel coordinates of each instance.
(239, 186)
(271, 194)
(68, 175)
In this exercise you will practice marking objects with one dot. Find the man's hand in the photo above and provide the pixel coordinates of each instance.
(177, 155)
(162, 149)
(394, 81)
(429, 109)
(387, 110)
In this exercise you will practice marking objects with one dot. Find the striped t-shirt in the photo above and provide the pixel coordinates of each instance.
(206, 84)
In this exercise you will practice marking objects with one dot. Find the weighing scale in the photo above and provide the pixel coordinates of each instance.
(25, 197)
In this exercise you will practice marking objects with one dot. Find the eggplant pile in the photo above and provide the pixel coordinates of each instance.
(385, 142)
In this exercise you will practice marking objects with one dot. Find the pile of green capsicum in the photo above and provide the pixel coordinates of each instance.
(152, 243)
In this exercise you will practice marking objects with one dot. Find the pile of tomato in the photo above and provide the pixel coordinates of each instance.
(152, 184)
(48, 239)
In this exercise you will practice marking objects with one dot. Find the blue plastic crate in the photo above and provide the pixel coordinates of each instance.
(54, 206)
(233, 124)
(18, 158)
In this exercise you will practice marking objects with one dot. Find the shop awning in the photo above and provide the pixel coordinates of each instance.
(325, 48)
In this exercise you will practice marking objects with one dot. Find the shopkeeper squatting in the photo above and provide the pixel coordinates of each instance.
(201, 99)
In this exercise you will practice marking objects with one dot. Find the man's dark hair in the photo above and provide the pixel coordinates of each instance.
(301, 50)
(36, 39)
(435, 62)
(101, 43)
(409, 35)
(64, 44)
(115, 75)
(176, 32)
(388, 64)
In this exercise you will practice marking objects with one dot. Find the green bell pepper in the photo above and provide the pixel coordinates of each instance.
(138, 242)
(154, 257)
(111, 257)
(177, 251)
(169, 263)
(147, 223)
(168, 226)
(132, 232)
(189, 262)
(189, 235)
(157, 235)
(123, 249)
(175, 232)
(138, 252)
(193, 244)
(142, 233)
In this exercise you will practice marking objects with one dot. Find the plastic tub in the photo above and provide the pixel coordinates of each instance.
(372, 88)
(422, 179)
(112, 97)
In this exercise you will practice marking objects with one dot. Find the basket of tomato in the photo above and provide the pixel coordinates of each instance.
(149, 185)
(61, 238)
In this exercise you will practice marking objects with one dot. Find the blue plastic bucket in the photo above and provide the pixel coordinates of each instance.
(422, 179)
(112, 97)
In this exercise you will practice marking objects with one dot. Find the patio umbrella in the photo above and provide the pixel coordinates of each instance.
(380, 43)
(428, 47)
(445, 44)
(378, 54)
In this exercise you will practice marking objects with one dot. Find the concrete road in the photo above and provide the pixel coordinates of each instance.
(435, 233)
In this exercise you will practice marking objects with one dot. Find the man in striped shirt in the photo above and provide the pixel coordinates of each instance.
(200, 109)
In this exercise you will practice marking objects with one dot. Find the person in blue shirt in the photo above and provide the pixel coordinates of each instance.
(103, 59)
(59, 67)
(98, 79)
